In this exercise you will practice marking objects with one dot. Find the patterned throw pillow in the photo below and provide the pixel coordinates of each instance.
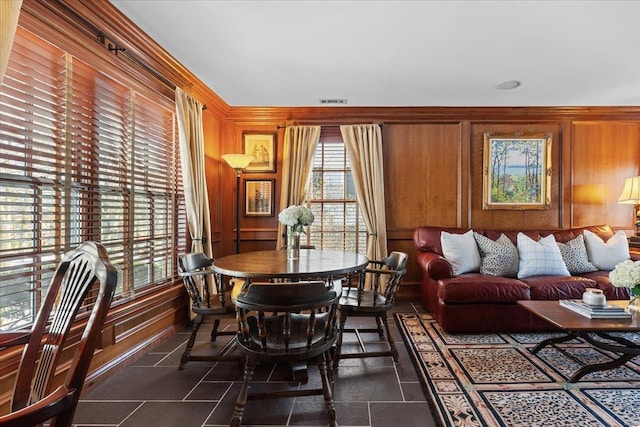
(574, 255)
(541, 258)
(499, 257)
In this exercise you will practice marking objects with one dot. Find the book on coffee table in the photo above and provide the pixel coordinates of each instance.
(606, 311)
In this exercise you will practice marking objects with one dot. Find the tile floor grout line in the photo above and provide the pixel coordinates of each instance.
(132, 412)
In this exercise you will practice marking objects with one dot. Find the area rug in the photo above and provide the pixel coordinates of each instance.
(494, 380)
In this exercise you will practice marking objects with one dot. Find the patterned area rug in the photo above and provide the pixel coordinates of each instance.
(494, 380)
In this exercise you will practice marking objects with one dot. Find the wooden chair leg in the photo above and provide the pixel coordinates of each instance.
(379, 323)
(192, 339)
(327, 391)
(249, 369)
(392, 344)
(214, 331)
(338, 347)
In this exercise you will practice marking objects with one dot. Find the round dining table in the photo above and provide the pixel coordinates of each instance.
(273, 264)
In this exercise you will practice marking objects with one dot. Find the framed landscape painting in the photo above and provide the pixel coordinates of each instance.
(516, 171)
(262, 146)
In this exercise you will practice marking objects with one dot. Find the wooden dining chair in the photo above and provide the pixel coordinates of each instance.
(384, 278)
(193, 268)
(84, 280)
(287, 323)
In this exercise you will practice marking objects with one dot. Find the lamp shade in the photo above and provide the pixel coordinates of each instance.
(238, 161)
(631, 191)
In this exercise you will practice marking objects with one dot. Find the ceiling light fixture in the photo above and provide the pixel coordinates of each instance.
(507, 84)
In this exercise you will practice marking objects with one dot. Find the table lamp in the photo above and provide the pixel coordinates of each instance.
(238, 162)
(631, 195)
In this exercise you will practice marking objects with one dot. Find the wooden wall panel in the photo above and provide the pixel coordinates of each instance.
(604, 155)
(510, 219)
(422, 174)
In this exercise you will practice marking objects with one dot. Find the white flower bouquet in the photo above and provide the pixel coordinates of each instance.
(627, 275)
(297, 217)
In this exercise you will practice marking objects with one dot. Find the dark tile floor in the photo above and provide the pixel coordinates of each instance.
(371, 392)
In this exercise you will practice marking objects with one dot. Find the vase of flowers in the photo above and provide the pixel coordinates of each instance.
(627, 275)
(295, 217)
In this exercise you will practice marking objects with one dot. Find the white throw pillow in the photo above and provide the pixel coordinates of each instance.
(603, 255)
(461, 251)
(541, 258)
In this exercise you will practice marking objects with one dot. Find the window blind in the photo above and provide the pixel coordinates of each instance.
(83, 157)
(338, 221)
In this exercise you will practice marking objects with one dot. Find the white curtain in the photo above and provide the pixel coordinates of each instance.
(191, 134)
(189, 113)
(300, 144)
(364, 148)
(9, 14)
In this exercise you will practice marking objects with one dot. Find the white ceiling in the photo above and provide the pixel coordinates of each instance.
(403, 53)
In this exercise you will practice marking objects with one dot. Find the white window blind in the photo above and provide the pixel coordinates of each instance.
(338, 221)
(83, 157)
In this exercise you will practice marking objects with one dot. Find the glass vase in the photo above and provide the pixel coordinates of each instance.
(293, 244)
(634, 300)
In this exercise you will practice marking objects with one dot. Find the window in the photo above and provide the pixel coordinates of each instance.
(82, 157)
(338, 221)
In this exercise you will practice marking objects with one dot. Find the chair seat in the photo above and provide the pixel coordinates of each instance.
(368, 301)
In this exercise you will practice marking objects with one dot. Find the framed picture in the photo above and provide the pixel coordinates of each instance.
(258, 197)
(517, 171)
(262, 146)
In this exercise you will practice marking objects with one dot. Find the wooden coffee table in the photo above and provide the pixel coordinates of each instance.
(594, 331)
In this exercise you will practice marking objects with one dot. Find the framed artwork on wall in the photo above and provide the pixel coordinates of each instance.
(258, 197)
(262, 146)
(516, 171)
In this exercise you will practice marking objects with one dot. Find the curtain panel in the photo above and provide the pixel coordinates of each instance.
(9, 14)
(364, 148)
(191, 134)
(300, 144)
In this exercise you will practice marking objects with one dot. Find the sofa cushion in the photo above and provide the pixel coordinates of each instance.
(574, 254)
(461, 251)
(499, 257)
(540, 258)
(557, 287)
(477, 288)
(603, 255)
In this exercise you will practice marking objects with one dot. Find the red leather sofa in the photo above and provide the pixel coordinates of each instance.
(475, 302)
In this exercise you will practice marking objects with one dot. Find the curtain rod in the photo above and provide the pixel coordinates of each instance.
(328, 126)
(102, 37)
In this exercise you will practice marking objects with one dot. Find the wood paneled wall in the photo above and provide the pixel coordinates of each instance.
(433, 167)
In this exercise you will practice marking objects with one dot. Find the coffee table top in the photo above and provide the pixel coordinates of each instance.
(562, 317)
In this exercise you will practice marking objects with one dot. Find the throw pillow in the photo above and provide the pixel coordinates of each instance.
(499, 257)
(603, 255)
(541, 258)
(574, 255)
(461, 251)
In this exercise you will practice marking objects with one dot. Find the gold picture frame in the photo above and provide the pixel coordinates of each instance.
(258, 197)
(516, 171)
(262, 146)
